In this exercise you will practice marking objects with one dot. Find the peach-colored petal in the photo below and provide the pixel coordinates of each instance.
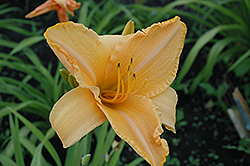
(80, 51)
(136, 121)
(110, 40)
(155, 53)
(75, 115)
(44, 8)
(166, 103)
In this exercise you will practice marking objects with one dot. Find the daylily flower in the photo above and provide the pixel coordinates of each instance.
(61, 6)
(122, 79)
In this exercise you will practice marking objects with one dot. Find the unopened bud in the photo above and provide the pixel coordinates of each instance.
(72, 81)
(116, 145)
(85, 159)
(64, 73)
(129, 28)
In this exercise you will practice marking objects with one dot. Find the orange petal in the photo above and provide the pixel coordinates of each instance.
(75, 115)
(166, 103)
(62, 15)
(80, 51)
(44, 8)
(156, 52)
(71, 6)
(136, 121)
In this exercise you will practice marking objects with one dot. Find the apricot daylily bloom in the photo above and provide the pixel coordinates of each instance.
(122, 79)
(61, 6)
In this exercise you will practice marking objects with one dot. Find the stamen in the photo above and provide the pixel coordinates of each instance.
(130, 86)
(119, 81)
(128, 68)
(133, 81)
(119, 96)
(118, 86)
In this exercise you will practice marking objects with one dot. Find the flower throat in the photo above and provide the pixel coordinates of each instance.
(120, 95)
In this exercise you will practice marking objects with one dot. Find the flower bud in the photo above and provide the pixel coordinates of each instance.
(72, 81)
(129, 28)
(85, 159)
(64, 73)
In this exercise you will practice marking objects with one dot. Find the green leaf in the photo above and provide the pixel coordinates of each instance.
(241, 59)
(95, 11)
(242, 68)
(14, 128)
(213, 55)
(37, 159)
(210, 90)
(6, 161)
(5, 110)
(106, 20)
(26, 43)
(15, 28)
(136, 162)
(10, 9)
(130, 16)
(201, 42)
(116, 156)
(101, 134)
(83, 13)
(40, 136)
(7, 43)
(74, 153)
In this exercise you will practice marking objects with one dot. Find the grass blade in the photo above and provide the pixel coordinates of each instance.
(106, 20)
(10, 9)
(101, 134)
(5, 110)
(6, 161)
(201, 42)
(26, 43)
(116, 156)
(40, 136)
(37, 159)
(83, 13)
(136, 162)
(241, 59)
(14, 128)
(214, 53)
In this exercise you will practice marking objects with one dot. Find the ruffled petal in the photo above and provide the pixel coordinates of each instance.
(80, 51)
(155, 53)
(75, 115)
(136, 121)
(166, 103)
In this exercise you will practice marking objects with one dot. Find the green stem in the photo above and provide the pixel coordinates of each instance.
(87, 143)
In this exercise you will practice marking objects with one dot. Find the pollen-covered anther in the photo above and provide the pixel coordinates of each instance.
(122, 91)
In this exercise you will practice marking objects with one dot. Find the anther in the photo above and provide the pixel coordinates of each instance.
(134, 76)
